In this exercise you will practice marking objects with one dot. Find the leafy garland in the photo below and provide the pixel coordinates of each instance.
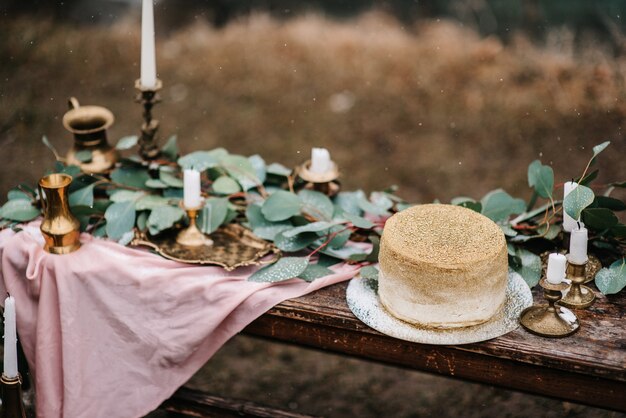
(271, 201)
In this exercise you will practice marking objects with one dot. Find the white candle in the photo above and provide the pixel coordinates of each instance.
(556, 268)
(148, 59)
(569, 223)
(191, 194)
(10, 339)
(320, 160)
(578, 246)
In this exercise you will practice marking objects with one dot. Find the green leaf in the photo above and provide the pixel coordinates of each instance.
(19, 210)
(295, 243)
(241, 169)
(468, 203)
(342, 237)
(349, 201)
(142, 221)
(127, 142)
(577, 200)
(131, 176)
(613, 279)
(170, 179)
(588, 178)
(258, 163)
(284, 269)
(198, 160)
(358, 221)
(599, 218)
(508, 230)
(599, 148)
(225, 185)
(120, 217)
(280, 206)
(314, 272)
(263, 228)
(372, 257)
(83, 197)
(125, 195)
(312, 227)
(552, 231)
(16, 194)
(164, 217)
(170, 149)
(317, 205)
(48, 144)
(371, 208)
(611, 203)
(619, 230)
(369, 272)
(155, 184)
(498, 205)
(213, 214)
(529, 266)
(151, 201)
(84, 155)
(278, 170)
(541, 178)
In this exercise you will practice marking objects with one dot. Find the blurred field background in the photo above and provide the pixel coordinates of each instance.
(442, 98)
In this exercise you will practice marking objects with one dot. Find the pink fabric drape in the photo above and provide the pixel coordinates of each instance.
(111, 331)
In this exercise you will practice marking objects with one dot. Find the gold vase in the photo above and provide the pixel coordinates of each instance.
(60, 229)
(89, 125)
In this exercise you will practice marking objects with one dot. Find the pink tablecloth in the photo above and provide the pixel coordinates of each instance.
(111, 331)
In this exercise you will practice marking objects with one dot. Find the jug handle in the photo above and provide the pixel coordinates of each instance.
(72, 103)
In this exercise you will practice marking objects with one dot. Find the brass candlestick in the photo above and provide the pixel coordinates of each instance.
(148, 97)
(550, 321)
(12, 403)
(326, 183)
(578, 296)
(591, 269)
(192, 236)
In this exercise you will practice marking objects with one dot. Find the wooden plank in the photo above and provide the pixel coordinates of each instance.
(188, 402)
(589, 367)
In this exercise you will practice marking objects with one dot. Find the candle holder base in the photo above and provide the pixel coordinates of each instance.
(12, 402)
(550, 321)
(578, 296)
(192, 236)
(325, 183)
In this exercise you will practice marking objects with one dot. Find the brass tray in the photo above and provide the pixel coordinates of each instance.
(233, 246)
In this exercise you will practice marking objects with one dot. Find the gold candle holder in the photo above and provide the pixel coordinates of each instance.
(12, 403)
(60, 228)
(148, 97)
(192, 236)
(550, 321)
(326, 183)
(578, 296)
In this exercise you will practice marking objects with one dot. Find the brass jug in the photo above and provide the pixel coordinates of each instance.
(60, 229)
(89, 125)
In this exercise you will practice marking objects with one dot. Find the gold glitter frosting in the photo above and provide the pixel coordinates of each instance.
(442, 266)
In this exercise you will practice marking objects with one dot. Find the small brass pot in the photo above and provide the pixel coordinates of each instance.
(89, 125)
(60, 229)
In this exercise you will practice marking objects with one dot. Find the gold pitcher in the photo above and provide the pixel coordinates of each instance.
(60, 229)
(89, 125)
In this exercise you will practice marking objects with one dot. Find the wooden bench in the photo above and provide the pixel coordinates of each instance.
(588, 367)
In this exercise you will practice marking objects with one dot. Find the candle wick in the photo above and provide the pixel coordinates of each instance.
(578, 223)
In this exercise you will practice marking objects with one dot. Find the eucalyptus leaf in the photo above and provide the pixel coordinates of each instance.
(599, 218)
(341, 238)
(170, 179)
(498, 205)
(83, 197)
(295, 243)
(213, 214)
(131, 176)
(317, 205)
(198, 160)
(280, 206)
(225, 185)
(372, 256)
(19, 210)
(151, 201)
(613, 279)
(599, 148)
(368, 207)
(529, 266)
(126, 238)
(127, 142)
(120, 217)
(541, 178)
(170, 149)
(577, 200)
(349, 201)
(258, 163)
(142, 220)
(611, 203)
(359, 221)
(278, 170)
(312, 227)
(16, 194)
(241, 169)
(156, 184)
(84, 155)
(164, 217)
(263, 228)
(48, 144)
(284, 269)
(121, 195)
(475, 206)
(369, 272)
(314, 272)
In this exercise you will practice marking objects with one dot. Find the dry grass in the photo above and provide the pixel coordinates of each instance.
(433, 108)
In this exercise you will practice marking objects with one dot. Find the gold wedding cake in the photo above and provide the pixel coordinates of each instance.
(442, 266)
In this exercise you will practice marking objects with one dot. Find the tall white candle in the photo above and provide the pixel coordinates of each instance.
(191, 193)
(320, 160)
(556, 268)
(578, 246)
(148, 58)
(569, 223)
(10, 339)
